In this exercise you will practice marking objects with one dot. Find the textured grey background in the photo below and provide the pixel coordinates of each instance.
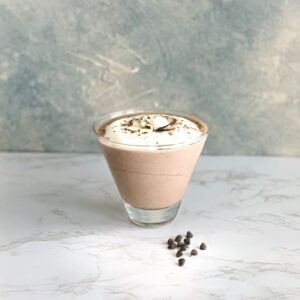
(64, 63)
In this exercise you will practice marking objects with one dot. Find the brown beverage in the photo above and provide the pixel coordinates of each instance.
(152, 157)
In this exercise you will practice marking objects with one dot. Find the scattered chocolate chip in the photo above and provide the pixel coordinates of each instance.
(183, 248)
(187, 241)
(180, 244)
(189, 235)
(178, 238)
(202, 246)
(170, 241)
(181, 262)
(172, 246)
(194, 252)
(179, 253)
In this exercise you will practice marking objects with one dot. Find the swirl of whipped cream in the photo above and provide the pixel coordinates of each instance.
(152, 130)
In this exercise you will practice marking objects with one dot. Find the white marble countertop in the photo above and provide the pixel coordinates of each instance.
(64, 233)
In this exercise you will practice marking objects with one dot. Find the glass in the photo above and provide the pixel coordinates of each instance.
(151, 179)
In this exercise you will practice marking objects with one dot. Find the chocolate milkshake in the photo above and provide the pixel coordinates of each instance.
(152, 157)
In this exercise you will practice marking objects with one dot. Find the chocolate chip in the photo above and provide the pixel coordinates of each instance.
(187, 241)
(179, 253)
(172, 246)
(194, 252)
(180, 244)
(170, 241)
(181, 262)
(189, 235)
(178, 238)
(183, 248)
(202, 246)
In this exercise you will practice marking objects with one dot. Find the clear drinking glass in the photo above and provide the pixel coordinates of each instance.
(151, 179)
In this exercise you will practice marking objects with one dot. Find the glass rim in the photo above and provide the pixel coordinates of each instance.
(114, 115)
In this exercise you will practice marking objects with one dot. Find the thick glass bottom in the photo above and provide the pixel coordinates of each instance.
(152, 217)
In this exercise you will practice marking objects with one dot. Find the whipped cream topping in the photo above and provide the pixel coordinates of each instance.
(152, 130)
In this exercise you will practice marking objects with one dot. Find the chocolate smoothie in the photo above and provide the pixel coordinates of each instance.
(152, 157)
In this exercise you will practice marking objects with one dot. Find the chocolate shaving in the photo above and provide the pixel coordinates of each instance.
(172, 122)
(167, 127)
(163, 129)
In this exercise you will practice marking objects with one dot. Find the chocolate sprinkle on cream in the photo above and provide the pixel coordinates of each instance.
(153, 130)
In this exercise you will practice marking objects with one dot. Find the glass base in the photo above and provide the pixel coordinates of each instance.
(152, 217)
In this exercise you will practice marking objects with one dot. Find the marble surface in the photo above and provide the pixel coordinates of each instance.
(64, 233)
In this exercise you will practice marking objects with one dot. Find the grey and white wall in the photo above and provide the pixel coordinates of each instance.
(64, 63)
